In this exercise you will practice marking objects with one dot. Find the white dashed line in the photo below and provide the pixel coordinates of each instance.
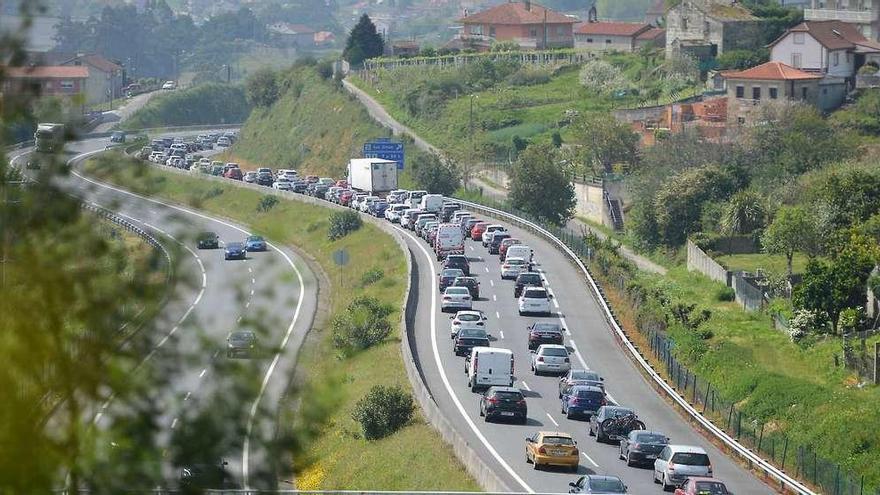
(203, 372)
(250, 270)
(494, 297)
(526, 386)
(492, 282)
(487, 269)
(497, 315)
(216, 353)
(472, 248)
(253, 280)
(590, 459)
(174, 423)
(501, 333)
(252, 291)
(247, 305)
(186, 397)
(552, 420)
(238, 320)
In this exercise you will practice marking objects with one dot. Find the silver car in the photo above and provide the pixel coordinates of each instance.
(457, 299)
(551, 358)
(512, 267)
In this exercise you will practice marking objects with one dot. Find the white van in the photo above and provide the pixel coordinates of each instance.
(449, 240)
(521, 251)
(431, 203)
(414, 198)
(489, 366)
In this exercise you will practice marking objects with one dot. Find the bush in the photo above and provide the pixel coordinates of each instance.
(805, 322)
(603, 78)
(267, 202)
(383, 411)
(261, 88)
(725, 294)
(363, 324)
(343, 223)
(372, 276)
(325, 69)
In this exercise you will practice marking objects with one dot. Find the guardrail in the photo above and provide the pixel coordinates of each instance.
(786, 481)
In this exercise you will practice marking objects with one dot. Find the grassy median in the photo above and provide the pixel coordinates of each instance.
(334, 456)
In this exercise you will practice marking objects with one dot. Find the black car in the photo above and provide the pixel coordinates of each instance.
(300, 186)
(319, 190)
(504, 402)
(496, 241)
(448, 210)
(197, 477)
(459, 261)
(241, 343)
(467, 339)
(235, 251)
(524, 279)
(545, 333)
(598, 422)
(265, 179)
(642, 446)
(117, 137)
(447, 278)
(208, 240)
(471, 283)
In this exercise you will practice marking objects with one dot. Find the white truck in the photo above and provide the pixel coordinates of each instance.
(372, 175)
(489, 366)
(432, 203)
(449, 240)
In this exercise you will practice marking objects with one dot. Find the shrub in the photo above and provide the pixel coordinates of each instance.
(325, 69)
(261, 88)
(267, 202)
(806, 321)
(343, 223)
(363, 324)
(725, 294)
(372, 276)
(383, 411)
(528, 76)
(603, 77)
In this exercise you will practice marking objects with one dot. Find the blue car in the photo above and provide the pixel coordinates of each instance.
(582, 401)
(235, 251)
(378, 208)
(255, 243)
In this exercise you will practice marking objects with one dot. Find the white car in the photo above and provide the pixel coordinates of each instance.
(512, 267)
(423, 232)
(356, 200)
(283, 185)
(169, 85)
(534, 300)
(551, 358)
(392, 213)
(456, 298)
(467, 319)
(489, 233)
(365, 204)
(406, 218)
(677, 463)
(224, 142)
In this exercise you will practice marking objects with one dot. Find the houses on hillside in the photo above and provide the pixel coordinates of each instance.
(529, 25)
(831, 48)
(704, 29)
(864, 15)
(67, 82)
(620, 36)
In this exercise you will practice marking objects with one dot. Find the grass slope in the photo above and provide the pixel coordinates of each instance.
(336, 456)
(210, 103)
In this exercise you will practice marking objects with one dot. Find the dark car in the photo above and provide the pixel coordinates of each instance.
(242, 343)
(496, 241)
(300, 186)
(208, 240)
(265, 179)
(234, 173)
(597, 483)
(447, 278)
(197, 477)
(447, 211)
(504, 402)
(467, 339)
(545, 333)
(255, 243)
(604, 413)
(642, 446)
(235, 251)
(319, 190)
(378, 208)
(459, 261)
(524, 279)
(580, 377)
(471, 283)
(117, 137)
(582, 400)
(468, 225)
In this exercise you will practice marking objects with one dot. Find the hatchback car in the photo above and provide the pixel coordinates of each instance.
(476, 232)
(283, 185)
(459, 261)
(447, 278)
(550, 358)
(699, 485)
(456, 298)
(550, 448)
(466, 319)
(490, 232)
(544, 333)
(604, 413)
(642, 446)
(504, 403)
(255, 243)
(525, 280)
(677, 463)
(598, 484)
(506, 243)
(208, 240)
(495, 244)
(512, 267)
(580, 377)
(582, 400)
(250, 177)
(467, 339)
(471, 283)
(235, 251)
(241, 343)
(534, 300)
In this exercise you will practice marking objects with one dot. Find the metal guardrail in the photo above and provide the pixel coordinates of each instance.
(768, 468)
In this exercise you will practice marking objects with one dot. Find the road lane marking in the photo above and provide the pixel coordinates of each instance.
(491, 282)
(494, 297)
(552, 420)
(253, 280)
(174, 423)
(526, 386)
(497, 315)
(252, 292)
(445, 378)
(501, 332)
(186, 397)
(216, 353)
(589, 459)
(246, 306)
(250, 270)
(203, 372)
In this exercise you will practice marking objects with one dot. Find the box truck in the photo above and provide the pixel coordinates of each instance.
(372, 175)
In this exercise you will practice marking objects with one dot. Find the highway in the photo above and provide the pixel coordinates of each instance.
(273, 293)
(502, 445)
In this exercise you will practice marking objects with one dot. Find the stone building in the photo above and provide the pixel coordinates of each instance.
(707, 28)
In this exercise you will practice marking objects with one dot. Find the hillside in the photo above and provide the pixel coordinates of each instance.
(210, 103)
(314, 127)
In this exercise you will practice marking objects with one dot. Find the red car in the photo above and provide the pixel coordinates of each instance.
(342, 183)
(311, 179)
(233, 173)
(698, 485)
(477, 230)
(345, 197)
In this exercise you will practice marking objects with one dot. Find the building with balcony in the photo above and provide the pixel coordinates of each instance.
(525, 23)
(863, 14)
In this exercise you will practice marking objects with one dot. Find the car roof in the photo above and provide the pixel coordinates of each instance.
(690, 449)
(552, 346)
(554, 434)
(602, 477)
(469, 311)
(591, 388)
(498, 388)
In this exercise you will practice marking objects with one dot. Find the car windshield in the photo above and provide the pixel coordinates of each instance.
(473, 333)
(255, 238)
(469, 317)
(452, 272)
(650, 438)
(588, 394)
(507, 395)
(536, 294)
(605, 485)
(558, 440)
(516, 261)
(547, 327)
(584, 375)
(616, 412)
(690, 459)
(465, 281)
(458, 291)
(456, 260)
(711, 488)
(555, 351)
(529, 278)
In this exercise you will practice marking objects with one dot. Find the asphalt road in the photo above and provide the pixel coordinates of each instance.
(502, 446)
(273, 293)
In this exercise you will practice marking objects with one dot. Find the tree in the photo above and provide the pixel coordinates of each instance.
(678, 205)
(744, 213)
(742, 59)
(539, 185)
(363, 43)
(261, 88)
(792, 230)
(435, 175)
(608, 142)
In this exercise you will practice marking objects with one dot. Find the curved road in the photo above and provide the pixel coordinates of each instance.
(273, 293)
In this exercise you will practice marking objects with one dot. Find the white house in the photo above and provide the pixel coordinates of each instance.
(833, 48)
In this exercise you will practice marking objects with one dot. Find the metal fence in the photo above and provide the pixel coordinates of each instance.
(799, 461)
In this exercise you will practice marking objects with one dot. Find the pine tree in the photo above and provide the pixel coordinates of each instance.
(363, 42)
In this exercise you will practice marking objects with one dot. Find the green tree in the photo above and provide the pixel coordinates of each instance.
(744, 213)
(539, 185)
(261, 88)
(792, 230)
(608, 141)
(679, 203)
(742, 59)
(435, 175)
(363, 42)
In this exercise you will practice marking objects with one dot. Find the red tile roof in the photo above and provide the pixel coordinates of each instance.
(771, 71)
(833, 35)
(651, 34)
(48, 72)
(613, 28)
(518, 13)
(97, 61)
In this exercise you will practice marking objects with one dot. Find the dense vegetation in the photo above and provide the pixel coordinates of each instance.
(209, 103)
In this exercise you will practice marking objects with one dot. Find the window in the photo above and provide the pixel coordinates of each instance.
(66, 85)
(798, 38)
(492, 31)
(835, 59)
(478, 30)
(848, 57)
(774, 93)
(684, 23)
(756, 92)
(607, 42)
(796, 60)
(740, 92)
(804, 93)
(533, 32)
(589, 40)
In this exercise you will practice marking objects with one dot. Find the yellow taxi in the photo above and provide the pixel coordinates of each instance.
(552, 448)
